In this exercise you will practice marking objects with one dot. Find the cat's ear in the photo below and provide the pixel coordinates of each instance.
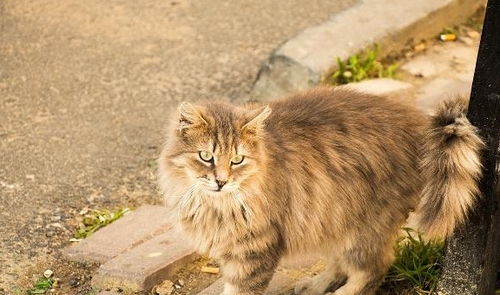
(190, 116)
(256, 122)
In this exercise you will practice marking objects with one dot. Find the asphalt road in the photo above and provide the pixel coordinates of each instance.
(85, 87)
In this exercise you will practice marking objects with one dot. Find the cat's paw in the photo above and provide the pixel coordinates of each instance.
(307, 286)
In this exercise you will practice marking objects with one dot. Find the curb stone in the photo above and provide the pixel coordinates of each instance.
(129, 231)
(146, 265)
(302, 61)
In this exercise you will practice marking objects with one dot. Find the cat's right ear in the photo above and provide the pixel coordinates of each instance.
(190, 116)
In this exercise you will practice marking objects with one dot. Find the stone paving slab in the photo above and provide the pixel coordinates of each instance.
(146, 265)
(129, 231)
(283, 280)
(383, 86)
(440, 89)
(109, 293)
(282, 283)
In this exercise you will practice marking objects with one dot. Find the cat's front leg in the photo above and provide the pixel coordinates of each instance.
(249, 275)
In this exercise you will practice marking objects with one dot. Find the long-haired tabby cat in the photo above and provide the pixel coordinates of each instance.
(329, 169)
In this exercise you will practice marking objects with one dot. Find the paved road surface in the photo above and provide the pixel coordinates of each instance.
(84, 89)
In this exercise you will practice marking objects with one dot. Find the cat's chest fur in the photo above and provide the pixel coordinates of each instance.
(216, 225)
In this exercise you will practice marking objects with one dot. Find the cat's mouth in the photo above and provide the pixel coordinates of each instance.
(220, 190)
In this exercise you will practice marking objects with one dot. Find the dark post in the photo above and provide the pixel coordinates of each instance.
(472, 254)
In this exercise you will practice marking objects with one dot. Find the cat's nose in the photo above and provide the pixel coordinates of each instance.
(220, 183)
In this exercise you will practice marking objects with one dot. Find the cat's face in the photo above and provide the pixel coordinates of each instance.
(217, 148)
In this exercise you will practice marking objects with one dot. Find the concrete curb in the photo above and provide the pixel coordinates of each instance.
(303, 61)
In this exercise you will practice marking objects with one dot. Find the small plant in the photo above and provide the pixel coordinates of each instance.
(418, 263)
(41, 286)
(95, 219)
(363, 66)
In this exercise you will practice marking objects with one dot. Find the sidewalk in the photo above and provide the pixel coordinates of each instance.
(85, 87)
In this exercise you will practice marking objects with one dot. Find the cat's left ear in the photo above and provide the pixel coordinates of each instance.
(256, 122)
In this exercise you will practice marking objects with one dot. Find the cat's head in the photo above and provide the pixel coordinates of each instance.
(216, 148)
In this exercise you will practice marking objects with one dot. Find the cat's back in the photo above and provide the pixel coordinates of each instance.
(342, 110)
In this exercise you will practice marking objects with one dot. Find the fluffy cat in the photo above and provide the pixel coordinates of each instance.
(329, 169)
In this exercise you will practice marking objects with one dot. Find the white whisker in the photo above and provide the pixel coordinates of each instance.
(186, 198)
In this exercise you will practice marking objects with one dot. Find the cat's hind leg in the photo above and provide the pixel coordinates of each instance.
(328, 280)
(366, 265)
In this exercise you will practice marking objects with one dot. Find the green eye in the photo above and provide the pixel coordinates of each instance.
(206, 156)
(238, 159)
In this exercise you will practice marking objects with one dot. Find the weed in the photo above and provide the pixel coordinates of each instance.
(91, 292)
(449, 30)
(153, 163)
(418, 263)
(363, 66)
(41, 286)
(476, 20)
(95, 219)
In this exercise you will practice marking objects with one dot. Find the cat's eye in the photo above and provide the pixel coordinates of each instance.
(206, 156)
(238, 159)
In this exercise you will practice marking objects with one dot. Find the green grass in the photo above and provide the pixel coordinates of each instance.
(449, 30)
(153, 163)
(96, 219)
(363, 66)
(41, 286)
(418, 264)
(476, 20)
(92, 292)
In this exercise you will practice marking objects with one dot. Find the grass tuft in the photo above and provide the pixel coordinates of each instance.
(418, 264)
(96, 219)
(41, 286)
(363, 66)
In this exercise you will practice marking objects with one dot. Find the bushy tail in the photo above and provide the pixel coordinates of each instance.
(450, 164)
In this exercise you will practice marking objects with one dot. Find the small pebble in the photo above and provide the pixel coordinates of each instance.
(165, 288)
(466, 40)
(48, 273)
(474, 34)
(420, 47)
(73, 282)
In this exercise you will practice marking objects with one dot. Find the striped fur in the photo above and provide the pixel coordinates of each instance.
(327, 170)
